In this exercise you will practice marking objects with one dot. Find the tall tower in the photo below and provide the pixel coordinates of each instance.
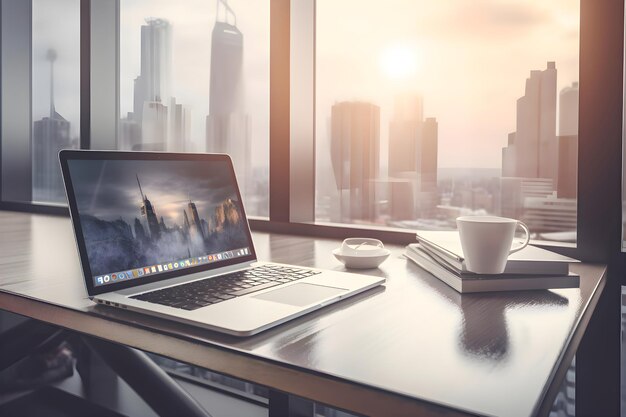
(355, 156)
(567, 183)
(50, 135)
(568, 110)
(154, 127)
(195, 218)
(180, 127)
(148, 212)
(186, 225)
(153, 82)
(227, 125)
(427, 169)
(535, 137)
(152, 88)
(413, 144)
(548, 144)
(508, 157)
(405, 134)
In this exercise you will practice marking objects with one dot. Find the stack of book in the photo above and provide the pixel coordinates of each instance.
(532, 268)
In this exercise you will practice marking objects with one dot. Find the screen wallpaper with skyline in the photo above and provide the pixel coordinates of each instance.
(139, 213)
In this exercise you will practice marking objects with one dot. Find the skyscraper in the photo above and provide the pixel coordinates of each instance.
(508, 157)
(186, 225)
(154, 127)
(535, 146)
(355, 156)
(50, 135)
(227, 125)
(153, 82)
(568, 142)
(548, 145)
(405, 135)
(536, 155)
(413, 144)
(195, 218)
(146, 127)
(147, 211)
(568, 110)
(180, 128)
(129, 133)
(428, 156)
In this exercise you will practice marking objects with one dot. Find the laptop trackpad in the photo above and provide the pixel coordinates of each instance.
(300, 294)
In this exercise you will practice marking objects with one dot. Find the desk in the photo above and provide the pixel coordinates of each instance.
(412, 347)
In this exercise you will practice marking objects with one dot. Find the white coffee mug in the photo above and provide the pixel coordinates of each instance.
(487, 240)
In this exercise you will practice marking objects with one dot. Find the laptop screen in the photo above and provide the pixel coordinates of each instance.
(144, 219)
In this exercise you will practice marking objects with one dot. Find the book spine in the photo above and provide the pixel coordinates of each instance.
(435, 270)
(443, 251)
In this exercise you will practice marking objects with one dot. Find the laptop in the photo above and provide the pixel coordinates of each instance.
(166, 234)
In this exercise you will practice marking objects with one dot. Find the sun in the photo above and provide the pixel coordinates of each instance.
(399, 61)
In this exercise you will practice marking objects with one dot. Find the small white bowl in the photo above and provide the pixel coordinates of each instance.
(361, 253)
(361, 261)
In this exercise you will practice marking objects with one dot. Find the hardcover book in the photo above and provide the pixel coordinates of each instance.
(531, 260)
(470, 282)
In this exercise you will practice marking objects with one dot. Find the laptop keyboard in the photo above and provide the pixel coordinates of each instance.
(209, 291)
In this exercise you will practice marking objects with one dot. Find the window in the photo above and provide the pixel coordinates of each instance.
(191, 76)
(56, 92)
(195, 77)
(40, 96)
(430, 110)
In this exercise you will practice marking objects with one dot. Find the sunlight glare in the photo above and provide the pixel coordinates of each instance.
(399, 61)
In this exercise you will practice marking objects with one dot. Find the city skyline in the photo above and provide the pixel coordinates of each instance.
(115, 245)
(533, 21)
(158, 122)
(538, 178)
(455, 50)
(192, 54)
(109, 190)
(479, 114)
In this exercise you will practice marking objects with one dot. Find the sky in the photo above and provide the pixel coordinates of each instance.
(469, 59)
(109, 190)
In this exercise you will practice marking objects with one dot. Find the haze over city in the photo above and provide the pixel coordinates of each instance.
(468, 59)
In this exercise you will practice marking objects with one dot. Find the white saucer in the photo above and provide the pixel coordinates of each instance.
(362, 261)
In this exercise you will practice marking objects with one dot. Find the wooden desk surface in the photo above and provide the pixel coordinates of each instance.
(412, 346)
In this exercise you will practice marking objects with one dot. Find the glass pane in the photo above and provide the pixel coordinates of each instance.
(56, 93)
(194, 77)
(448, 108)
(41, 96)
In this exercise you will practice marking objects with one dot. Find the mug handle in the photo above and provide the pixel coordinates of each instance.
(523, 245)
